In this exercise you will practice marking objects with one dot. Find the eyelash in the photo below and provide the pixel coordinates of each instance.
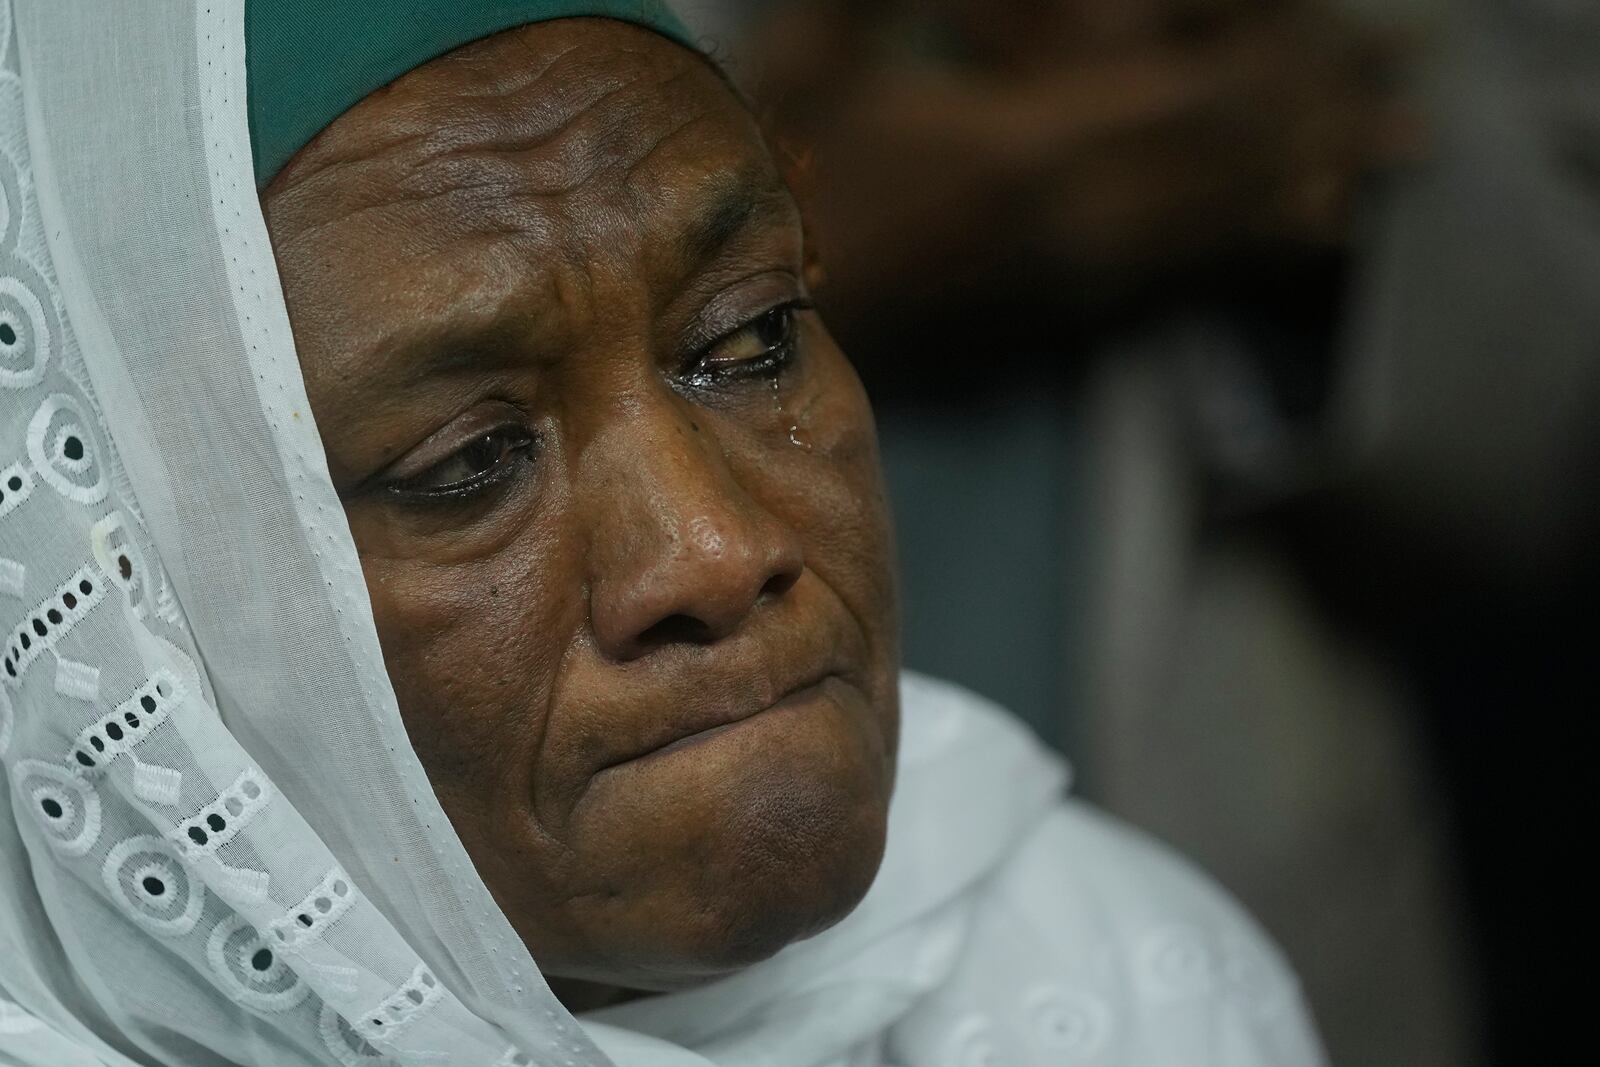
(773, 358)
(512, 445)
(515, 443)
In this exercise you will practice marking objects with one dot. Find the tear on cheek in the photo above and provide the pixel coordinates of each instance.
(833, 427)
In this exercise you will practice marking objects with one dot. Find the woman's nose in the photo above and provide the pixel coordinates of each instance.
(683, 554)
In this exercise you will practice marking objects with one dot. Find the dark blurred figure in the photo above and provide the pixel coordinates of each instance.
(1022, 156)
(1460, 530)
(1244, 413)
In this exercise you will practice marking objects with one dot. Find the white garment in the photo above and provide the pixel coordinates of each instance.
(1079, 943)
(217, 845)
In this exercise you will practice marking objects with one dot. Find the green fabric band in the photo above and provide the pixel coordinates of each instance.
(310, 61)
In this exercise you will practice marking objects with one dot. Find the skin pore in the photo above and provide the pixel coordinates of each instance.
(616, 494)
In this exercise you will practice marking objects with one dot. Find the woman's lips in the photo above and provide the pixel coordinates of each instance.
(797, 700)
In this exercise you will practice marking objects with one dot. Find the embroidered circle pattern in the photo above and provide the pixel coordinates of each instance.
(347, 1046)
(123, 560)
(1067, 1023)
(27, 324)
(62, 448)
(250, 971)
(149, 881)
(65, 806)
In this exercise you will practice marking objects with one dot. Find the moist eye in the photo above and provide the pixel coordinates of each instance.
(762, 346)
(473, 469)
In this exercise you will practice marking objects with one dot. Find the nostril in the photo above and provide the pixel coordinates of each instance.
(779, 584)
(678, 629)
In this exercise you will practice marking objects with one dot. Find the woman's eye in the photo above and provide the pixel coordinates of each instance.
(763, 345)
(473, 468)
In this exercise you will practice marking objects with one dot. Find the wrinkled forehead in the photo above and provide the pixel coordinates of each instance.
(513, 132)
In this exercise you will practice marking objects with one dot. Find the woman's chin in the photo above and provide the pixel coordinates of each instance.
(738, 844)
(778, 899)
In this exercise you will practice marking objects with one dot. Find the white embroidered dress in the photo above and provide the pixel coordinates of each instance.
(216, 843)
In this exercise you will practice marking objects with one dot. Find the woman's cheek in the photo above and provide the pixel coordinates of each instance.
(473, 650)
(839, 461)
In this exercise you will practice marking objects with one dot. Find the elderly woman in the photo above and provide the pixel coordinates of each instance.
(448, 595)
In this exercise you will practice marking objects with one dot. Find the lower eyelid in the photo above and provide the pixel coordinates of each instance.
(525, 451)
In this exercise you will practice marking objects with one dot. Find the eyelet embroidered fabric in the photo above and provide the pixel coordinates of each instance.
(216, 843)
(207, 919)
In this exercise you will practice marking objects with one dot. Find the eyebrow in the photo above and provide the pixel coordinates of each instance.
(493, 345)
(739, 201)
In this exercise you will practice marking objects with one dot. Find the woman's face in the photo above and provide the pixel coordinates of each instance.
(616, 493)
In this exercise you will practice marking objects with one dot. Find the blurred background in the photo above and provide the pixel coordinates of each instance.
(1236, 364)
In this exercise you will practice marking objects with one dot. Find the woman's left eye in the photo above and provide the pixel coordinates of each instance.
(763, 345)
(471, 469)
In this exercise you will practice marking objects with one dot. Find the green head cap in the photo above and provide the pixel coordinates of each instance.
(310, 61)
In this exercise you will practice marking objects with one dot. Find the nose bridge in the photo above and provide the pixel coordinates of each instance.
(654, 455)
(690, 501)
(679, 550)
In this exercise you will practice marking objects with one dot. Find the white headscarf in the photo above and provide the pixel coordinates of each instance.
(217, 845)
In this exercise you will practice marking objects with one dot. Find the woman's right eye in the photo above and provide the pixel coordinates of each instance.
(763, 346)
(473, 469)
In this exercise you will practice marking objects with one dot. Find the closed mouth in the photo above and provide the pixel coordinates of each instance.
(794, 700)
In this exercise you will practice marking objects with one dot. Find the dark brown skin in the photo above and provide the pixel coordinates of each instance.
(608, 494)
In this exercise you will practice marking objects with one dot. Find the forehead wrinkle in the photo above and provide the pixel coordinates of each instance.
(558, 103)
(599, 125)
(470, 91)
(462, 137)
(551, 164)
(525, 118)
(504, 178)
(620, 131)
(631, 170)
(499, 79)
(540, 159)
